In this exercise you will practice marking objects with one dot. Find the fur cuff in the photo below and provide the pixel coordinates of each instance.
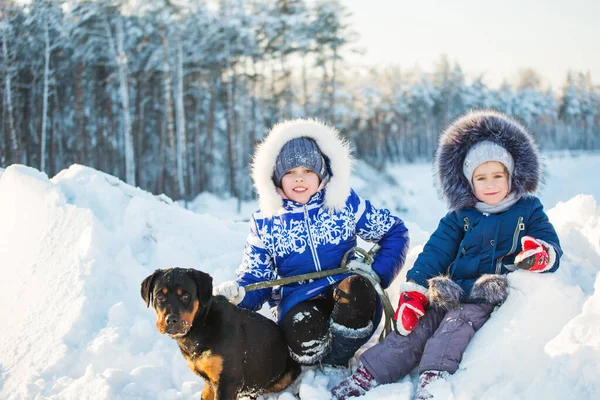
(413, 287)
(490, 288)
(444, 292)
(351, 333)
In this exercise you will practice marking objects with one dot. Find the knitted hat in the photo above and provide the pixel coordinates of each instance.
(483, 152)
(299, 152)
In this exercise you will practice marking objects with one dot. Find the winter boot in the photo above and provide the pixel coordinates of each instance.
(351, 323)
(425, 379)
(359, 383)
(306, 331)
(345, 342)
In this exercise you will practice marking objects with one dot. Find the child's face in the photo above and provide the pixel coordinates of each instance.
(490, 181)
(299, 184)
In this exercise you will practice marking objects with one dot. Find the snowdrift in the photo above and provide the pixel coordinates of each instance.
(75, 248)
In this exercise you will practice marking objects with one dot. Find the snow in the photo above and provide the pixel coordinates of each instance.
(74, 250)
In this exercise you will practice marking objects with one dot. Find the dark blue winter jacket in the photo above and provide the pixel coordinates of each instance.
(469, 243)
(307, 238)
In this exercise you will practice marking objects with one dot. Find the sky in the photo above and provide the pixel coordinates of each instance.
(75, 248)
(494, 38)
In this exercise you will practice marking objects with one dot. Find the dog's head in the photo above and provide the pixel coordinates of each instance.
(177, 295)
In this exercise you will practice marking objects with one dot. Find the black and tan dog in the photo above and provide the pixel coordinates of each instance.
(236, 351)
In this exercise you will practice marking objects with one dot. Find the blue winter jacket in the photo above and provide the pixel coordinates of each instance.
(469, 243)
(308, 238)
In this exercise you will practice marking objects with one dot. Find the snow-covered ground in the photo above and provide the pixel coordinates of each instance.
(75, 248)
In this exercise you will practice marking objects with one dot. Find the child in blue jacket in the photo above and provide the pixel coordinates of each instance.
(309, 218)
(487, 166)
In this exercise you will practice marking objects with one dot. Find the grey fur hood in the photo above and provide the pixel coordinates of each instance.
(475, 127)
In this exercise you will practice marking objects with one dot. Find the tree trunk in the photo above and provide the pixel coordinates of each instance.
(124, 92)
(118, 53)
(12, 133)
(168, 102)
(285, 82)
(274, 109)
(210, 126)
(140, 102)
(31, 140)
(305, 99)
(231, 158)
(253, 108)
(199, 182)
(57, 156)
(45, 97)
(180, 114)
(162, 158)
(80, 116)
(332, 91)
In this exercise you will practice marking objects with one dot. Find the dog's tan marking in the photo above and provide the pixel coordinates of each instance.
(207, 392)
(188, 318)
(179, 292)
(211, 365)
(164, 290)
(281, 384)
(161, 321)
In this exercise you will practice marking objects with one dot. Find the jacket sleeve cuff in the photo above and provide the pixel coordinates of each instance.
(413, 287)
(551, 255)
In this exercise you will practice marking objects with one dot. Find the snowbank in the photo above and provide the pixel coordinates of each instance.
(75, 248)
(74, 251)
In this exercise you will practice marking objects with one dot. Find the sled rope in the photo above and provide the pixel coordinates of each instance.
(389, 321)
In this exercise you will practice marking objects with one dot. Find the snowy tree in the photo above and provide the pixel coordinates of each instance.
(53, 36)
(117, 50)
(8, 58)
(173, 96)
(332, 34)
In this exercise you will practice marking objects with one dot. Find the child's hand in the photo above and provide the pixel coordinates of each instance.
(231, 290)
(534, 257)
(363, 266)
(411, 307)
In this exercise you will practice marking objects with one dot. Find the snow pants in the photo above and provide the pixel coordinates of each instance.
(437, 343)
(331, 327)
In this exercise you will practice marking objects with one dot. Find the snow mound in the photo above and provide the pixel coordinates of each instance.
(74, 251)
(75, 248)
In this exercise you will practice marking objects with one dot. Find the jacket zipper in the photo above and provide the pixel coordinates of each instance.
(466, 228)
(520, 227)
(311, 244)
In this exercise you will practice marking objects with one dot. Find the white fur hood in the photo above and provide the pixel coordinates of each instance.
(336, 151)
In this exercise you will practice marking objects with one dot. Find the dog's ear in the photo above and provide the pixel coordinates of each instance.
(203, 284)
(148, 286)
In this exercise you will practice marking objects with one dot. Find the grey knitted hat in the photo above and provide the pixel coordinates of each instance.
(299, 152)
(487, 151)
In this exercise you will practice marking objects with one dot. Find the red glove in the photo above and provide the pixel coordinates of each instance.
(411, 307)
(534, 257)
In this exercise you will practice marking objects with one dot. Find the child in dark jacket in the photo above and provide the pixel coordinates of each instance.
(309, 218)
(487, 166)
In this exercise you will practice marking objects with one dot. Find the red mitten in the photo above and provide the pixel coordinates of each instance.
(534, 257)
(411, 307)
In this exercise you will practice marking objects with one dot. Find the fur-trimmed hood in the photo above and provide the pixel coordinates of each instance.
(335, 149)
(475, 127)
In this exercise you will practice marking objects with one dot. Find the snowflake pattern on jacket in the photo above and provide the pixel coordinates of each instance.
(308, 238)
